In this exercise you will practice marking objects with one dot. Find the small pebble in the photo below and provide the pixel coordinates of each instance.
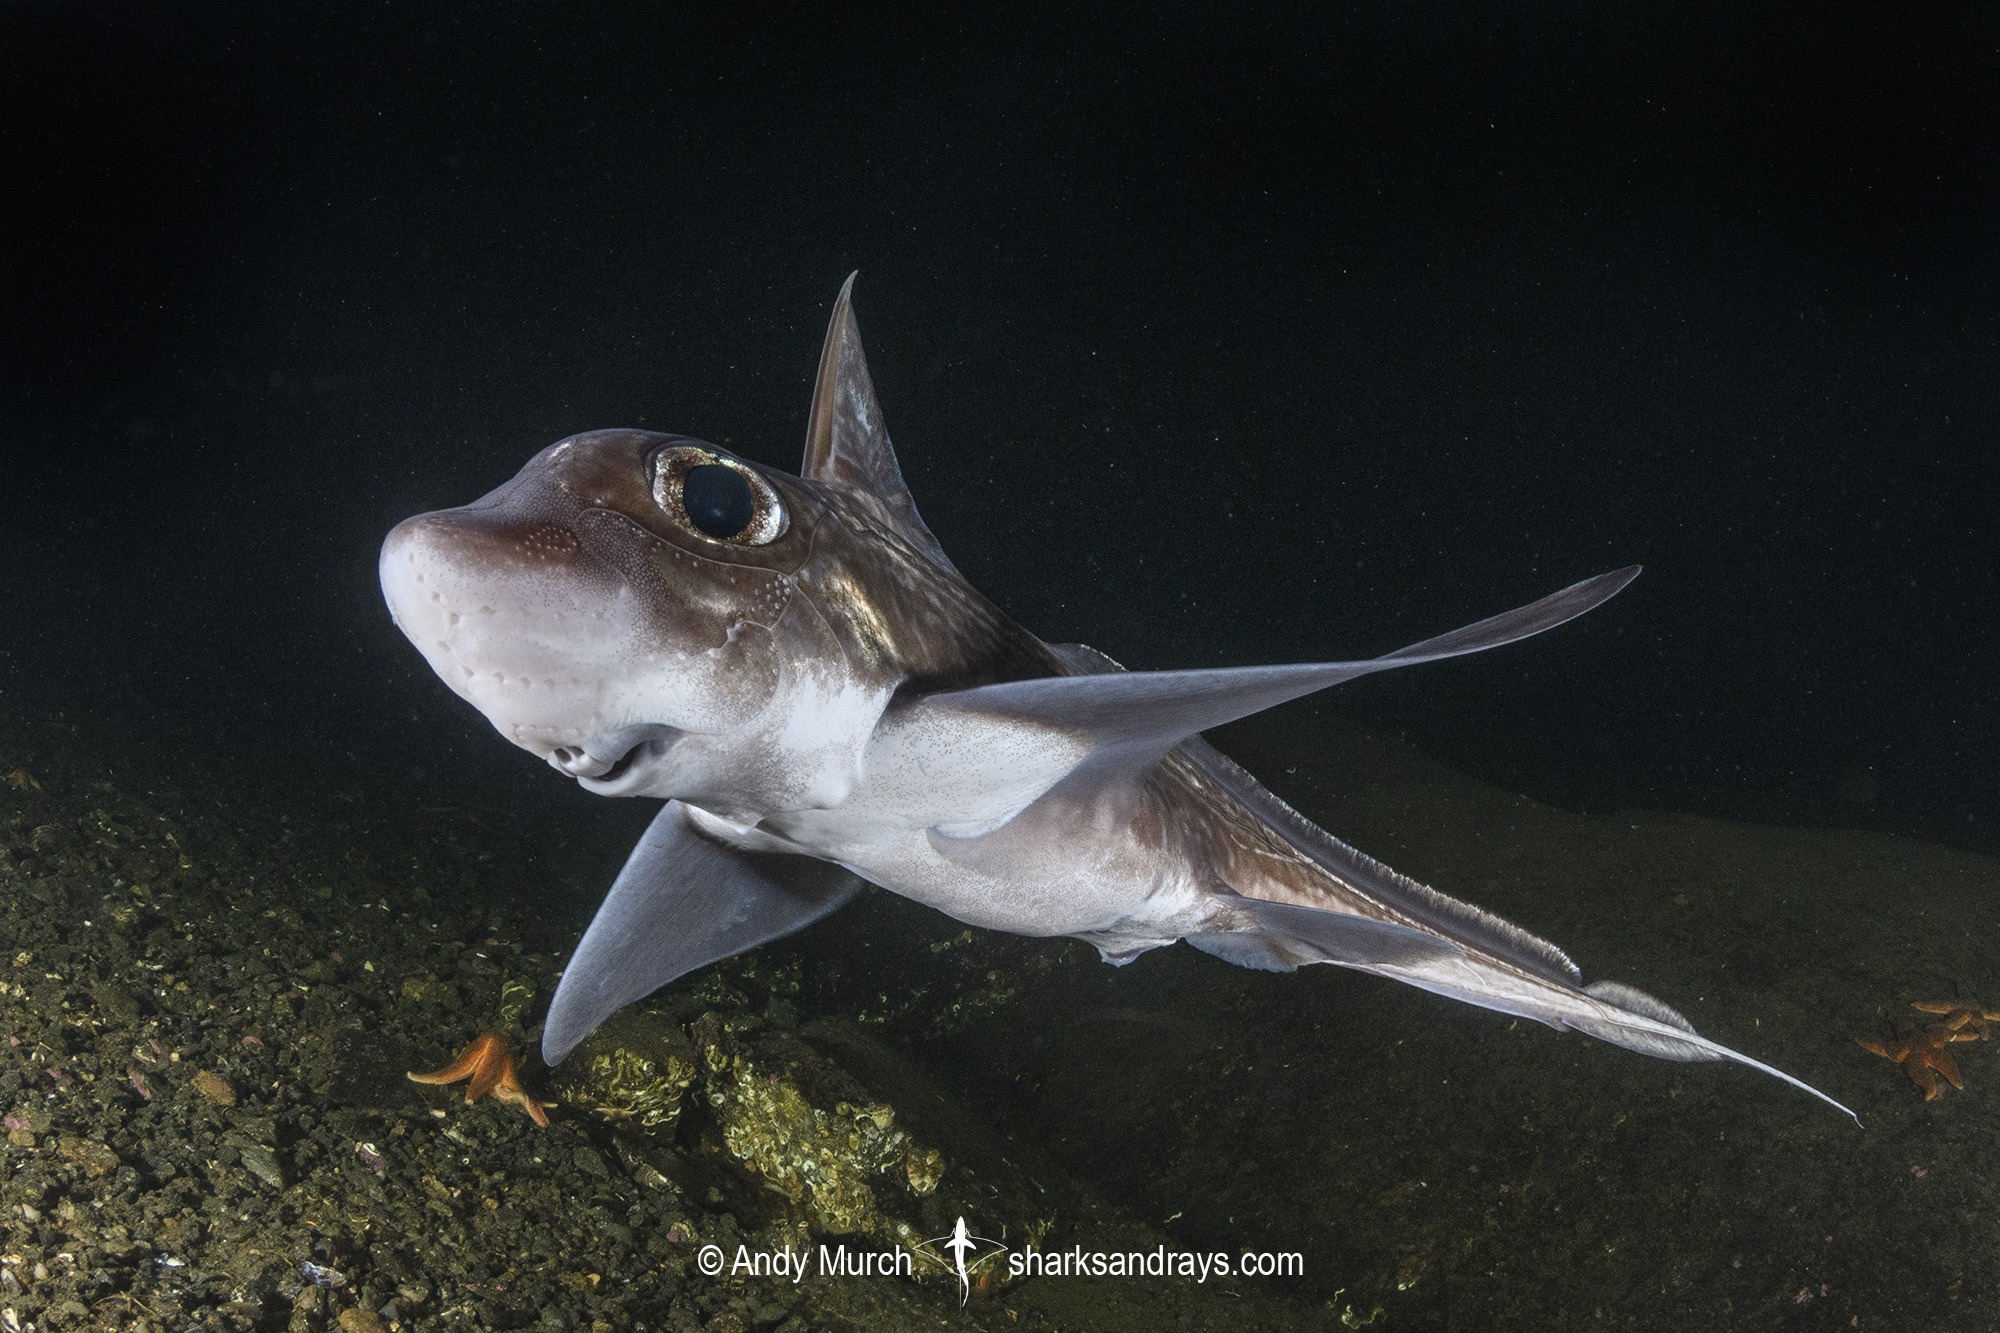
(215, 1088)
(358, 1320)
(263, 1164)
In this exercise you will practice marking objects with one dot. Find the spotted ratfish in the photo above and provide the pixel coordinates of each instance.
(796, 667)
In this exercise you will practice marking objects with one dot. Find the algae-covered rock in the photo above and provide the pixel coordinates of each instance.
(811, 1134)
(634, 1071)
(805, 1129)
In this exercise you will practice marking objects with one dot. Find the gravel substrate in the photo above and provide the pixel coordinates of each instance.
(211, 998)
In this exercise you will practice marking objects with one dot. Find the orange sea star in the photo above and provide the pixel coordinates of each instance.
(1920, 1052)
(490, 1066)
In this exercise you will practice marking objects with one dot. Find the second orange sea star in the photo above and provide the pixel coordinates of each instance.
(1965, 1020)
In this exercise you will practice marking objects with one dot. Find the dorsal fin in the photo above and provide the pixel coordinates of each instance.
(847, 443)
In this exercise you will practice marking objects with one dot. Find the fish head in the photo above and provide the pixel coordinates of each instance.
(629, 608)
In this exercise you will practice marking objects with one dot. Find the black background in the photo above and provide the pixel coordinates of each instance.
(1206, 337)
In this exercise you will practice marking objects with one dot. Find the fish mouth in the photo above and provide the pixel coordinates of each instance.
(605, 762)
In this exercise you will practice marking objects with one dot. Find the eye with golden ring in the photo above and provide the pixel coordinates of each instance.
(716, 497)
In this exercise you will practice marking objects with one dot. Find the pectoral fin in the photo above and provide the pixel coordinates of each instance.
(1129, 719)
(1157, 709)
(682, 901)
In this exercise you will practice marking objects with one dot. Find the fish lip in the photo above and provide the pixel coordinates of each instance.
(622, 764)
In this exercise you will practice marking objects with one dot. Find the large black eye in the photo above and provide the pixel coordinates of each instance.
(718, 500)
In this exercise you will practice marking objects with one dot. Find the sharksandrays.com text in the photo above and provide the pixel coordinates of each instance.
(793, 1265)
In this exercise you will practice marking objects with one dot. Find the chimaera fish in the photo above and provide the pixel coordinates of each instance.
(798, 669)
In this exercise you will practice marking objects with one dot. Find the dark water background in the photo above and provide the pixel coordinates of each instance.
(1206, 337)
(1274, 334)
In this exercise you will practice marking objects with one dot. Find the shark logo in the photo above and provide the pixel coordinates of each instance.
(963, 1246)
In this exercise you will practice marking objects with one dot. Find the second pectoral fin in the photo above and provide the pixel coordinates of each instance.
(683, 900)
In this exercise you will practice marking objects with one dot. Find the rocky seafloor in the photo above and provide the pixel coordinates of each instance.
(212, 992)
(211, 1002)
